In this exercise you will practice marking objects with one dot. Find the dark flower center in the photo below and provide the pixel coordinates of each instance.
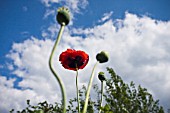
(75, 62)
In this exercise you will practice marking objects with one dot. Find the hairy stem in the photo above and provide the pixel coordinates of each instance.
(53, 71)
(88, 89)
(101, 99)
(78, 100)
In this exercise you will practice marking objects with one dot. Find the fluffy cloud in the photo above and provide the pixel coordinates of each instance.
(73, 5)
(13, 98)
(106, 16)
(139, 52)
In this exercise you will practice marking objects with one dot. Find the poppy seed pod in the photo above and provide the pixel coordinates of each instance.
(63, 16)
(101, 76)
(102, 57)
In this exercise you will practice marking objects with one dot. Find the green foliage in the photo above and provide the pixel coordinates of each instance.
(123, 98)
(92, 105)
(119, 98)
(42, 107)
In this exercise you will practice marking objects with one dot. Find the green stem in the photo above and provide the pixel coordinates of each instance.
(88, 89)
(78, 100)
(53, 71)
(102, 87)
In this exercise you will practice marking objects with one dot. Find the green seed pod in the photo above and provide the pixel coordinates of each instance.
(101, 76)
(102, 57)
(63, 16)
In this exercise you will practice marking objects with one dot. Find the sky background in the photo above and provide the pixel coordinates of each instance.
(134, 32)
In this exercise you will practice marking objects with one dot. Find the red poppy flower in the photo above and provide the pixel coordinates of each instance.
(72, 59)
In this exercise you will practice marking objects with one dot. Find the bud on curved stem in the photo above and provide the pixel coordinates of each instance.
(63, 19)
(101, 58)
(55, 74)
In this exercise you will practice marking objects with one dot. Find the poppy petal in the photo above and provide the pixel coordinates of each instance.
(72, 59)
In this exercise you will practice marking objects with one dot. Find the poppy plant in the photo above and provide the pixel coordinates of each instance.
(63, 18)
(101, 57)
(74, 60)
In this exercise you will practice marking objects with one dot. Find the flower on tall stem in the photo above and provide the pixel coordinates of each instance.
(74, 60)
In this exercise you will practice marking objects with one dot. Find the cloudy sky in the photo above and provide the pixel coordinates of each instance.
(134, 32)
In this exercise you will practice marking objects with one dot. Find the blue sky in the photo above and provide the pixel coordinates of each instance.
(28, 29)
(19, 19)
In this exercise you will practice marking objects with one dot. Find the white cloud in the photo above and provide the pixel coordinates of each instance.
(73, 5)
(106, 16)
(139, 52)
(48, 3)
(48, 13)
(13, 98)
(76, 5)
(5, 82)
(51, 31)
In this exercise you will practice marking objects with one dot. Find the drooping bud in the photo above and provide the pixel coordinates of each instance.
(63, 16)
(102, 57)
(101, 76)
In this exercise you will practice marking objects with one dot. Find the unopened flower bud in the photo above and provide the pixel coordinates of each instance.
(102, 57)
(101, 76)
(63, 16)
